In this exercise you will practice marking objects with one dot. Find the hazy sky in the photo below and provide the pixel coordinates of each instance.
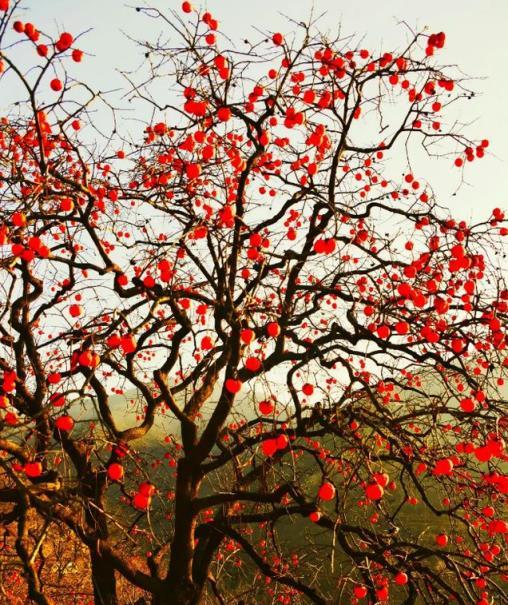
(476, 40)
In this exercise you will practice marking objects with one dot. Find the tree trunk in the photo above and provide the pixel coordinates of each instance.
(104, 581)
(181, 586)
(180, 595)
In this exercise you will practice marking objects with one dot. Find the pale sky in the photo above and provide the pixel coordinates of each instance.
(476, 40)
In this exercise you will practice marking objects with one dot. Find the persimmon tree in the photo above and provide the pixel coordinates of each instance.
(245, 353)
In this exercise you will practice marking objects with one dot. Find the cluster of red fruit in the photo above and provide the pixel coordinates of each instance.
(63, 44)
(382, 594)
(376, 489)
(435, 41)
(64, 423)
(87, 359)
(9, 381)
(143, 497)
(471, 153)
(127, 343)
(325, 246)
(271, 446)
(33, 249)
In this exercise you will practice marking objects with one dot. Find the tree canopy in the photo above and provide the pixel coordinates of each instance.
(246, 355)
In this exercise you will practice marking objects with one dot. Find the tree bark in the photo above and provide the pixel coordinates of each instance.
(104, 581)
(180, 595)
(181, 586)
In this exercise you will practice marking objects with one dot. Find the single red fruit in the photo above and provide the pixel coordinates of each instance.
(141, 502)
(266, 407)
(443, 467)
(282, 442)
(54, 378)
(76, 310)
(374, 491)
(382, 593)
(115, 471)
(128, 344)
(66, 205)
(33, 469)
(64, 423)
(278, 39)
(224, 114)
(360, 592)
(383, 332)
(77, 55)
(402, 327)
(253, 364)
(381, 479)
(206, 343)
(57, 399)
(467, 405)
(146, 489)
(233, 385)
(193, 171)
(56, 84)
(269, 447)
(441, 540)
(326, 491)
(247, 335)
(401, 578)
(307, 389)
(273, 329)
